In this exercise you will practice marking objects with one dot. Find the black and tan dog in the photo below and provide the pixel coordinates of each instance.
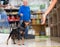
(17, 33)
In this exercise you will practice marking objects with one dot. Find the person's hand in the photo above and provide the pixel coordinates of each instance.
(21, 14)
(43, 19)
(26, 23)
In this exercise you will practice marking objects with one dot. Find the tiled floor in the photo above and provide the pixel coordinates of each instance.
(37, 42)
(46, 42)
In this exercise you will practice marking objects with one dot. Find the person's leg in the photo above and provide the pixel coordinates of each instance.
(1, 23)
(4, 17)
(26, 32)
(26, 29)
(13, 41)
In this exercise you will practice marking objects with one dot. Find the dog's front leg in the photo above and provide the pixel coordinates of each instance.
(14, 41)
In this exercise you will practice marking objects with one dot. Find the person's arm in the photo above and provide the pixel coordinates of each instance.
(20, 11)
(29, 14)
(53, 2)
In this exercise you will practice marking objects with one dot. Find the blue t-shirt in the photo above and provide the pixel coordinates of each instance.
(25, 10)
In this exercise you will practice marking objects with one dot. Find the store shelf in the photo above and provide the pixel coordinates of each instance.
(53, 25)
(58, 3)
(58, 13)
(59, 30)
(36, 23)
(55, 31)
(51, 31)
(13, 13)
(58, 22)
(50, 20)
(54, 22)
(11, 8)
(35, 13)
(54, 15)
(36, 18)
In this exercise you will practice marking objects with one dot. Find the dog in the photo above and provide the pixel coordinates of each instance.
(14, 35)
(17, 33)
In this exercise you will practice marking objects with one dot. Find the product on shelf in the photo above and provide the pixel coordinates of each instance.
(38, 21)
(33, 21)
(32, 16)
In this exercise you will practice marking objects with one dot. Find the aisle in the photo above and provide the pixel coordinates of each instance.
(37, 42)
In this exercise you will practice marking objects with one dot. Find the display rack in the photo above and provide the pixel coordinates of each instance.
(36, 24)
(54, 23)
(12, 11)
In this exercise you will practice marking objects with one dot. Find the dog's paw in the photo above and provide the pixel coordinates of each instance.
(7, 43)
(18, 43)
(14, 43)
(23, 44)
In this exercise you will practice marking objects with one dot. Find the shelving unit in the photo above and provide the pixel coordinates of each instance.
(36, 23)
(12, 11)
(54, 15)
(59, 30)
(54, 23)
(51, 31)
(58, 13)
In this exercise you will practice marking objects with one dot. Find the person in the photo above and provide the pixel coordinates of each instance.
(51, 6)
(24, 13)
(3, 15)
